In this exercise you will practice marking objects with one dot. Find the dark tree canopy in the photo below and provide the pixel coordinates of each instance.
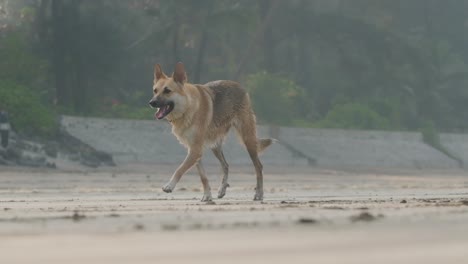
(365, 64)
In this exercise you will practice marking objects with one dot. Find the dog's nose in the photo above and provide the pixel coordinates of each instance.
(153, 103)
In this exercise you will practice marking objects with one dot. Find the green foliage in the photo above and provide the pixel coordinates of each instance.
(360, 64)
(354, 116)
(27, 113)
(18, 63)
(274, 98)
(23, 78)
(390, 109)
(431, 136)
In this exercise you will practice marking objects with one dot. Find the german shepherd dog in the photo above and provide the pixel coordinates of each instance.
(201, 116)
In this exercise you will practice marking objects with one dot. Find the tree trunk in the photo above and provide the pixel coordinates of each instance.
(258, 35)
(200, 56)
(78, 89)
(175, 44)
(59, 53)
(268, 46)
(202, 50)
(42, 23)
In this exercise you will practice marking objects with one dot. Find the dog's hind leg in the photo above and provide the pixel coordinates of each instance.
(218, 152)
(206, 184)
(247, 131)
(252, 149)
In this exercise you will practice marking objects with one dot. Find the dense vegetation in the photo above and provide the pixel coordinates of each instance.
(365, 64)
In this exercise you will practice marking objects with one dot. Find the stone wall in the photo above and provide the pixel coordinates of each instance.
(131, 141)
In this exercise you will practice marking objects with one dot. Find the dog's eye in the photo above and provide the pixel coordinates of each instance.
(166, 90)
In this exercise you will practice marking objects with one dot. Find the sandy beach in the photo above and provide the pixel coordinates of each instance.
(121, 215)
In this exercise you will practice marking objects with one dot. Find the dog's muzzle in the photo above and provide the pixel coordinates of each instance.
(163, 108)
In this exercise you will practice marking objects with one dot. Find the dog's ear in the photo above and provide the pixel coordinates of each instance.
(179, 74)
(158, 73)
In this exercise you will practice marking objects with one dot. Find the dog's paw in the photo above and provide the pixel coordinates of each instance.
(222, 190)
(258, 196)
(207, 198)
(168, 187)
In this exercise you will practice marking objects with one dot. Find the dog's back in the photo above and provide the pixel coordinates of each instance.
(231, 106)
(228, 99)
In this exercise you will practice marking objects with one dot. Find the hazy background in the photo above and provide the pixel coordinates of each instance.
(331, 195)
(364, 64)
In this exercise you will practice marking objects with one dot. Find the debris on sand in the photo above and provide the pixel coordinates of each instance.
(196, 226)
(306, 220)
(244, 224)
(403, 201)
(114, 215)
(365, 217)
(77, 216)
(333, 208)
(139, 227)
(170, 227)
(464, 202)
(289, 202)
(286, 204)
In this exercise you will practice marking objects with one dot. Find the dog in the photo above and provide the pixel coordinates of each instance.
(201, 116)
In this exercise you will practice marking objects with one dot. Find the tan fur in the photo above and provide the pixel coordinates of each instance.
(201, 117)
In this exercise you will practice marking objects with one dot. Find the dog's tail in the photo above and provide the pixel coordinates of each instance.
(263, 143)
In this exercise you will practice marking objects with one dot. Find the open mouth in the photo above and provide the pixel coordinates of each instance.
(163, 111)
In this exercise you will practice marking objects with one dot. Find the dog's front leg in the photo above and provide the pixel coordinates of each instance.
(193, 156)
(206, 185)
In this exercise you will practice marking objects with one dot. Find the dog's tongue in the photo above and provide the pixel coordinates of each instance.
(160, 113)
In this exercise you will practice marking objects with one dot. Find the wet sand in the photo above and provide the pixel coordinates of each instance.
(120, 215)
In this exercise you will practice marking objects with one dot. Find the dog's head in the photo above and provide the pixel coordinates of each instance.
(169, 97)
